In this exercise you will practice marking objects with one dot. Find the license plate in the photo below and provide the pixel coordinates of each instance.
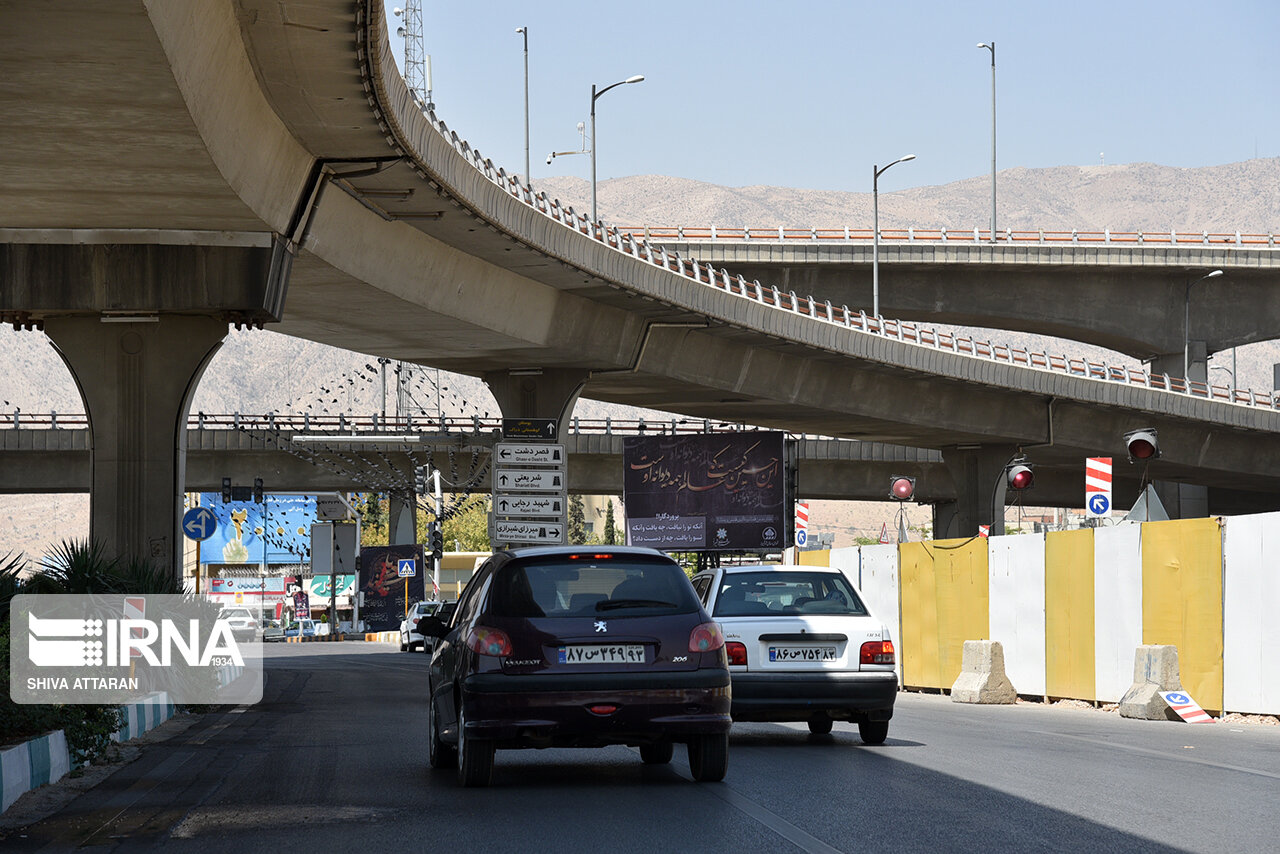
(802, 653)
(626, 653)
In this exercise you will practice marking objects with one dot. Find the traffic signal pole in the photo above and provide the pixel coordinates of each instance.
(435, 561)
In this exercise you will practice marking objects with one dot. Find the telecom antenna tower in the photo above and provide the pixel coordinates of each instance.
(417, 64)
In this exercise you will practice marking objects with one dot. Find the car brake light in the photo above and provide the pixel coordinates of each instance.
(737, 652)
(591, 557)
(489, 641)
(706, 638)
(876, 652)
(602, 709)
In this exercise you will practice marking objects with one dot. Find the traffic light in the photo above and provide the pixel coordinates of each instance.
(257, 490)
(1019, 475)
(1142, 444)
(901, 487)
(420, 481)
(437, 541)
(226, 490)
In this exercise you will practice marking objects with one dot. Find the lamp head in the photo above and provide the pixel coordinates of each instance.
(519, 29)
(635, 78)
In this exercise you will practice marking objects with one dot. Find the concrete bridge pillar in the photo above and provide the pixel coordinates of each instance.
(402, 520)
(978, 474)
(137, 379)
(538, 393)
(1183, 500)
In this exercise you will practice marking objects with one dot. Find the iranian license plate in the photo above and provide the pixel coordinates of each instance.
(625, 653)
(802, 653)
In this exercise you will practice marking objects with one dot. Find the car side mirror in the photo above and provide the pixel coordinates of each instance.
(432, 626)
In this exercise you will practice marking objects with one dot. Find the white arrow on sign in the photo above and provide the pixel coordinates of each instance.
(520, 480)
(542, 506)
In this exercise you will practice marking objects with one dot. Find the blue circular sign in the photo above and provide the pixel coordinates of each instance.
(199, 523)
(1099, 504)
(802, 537)
(1172, 698)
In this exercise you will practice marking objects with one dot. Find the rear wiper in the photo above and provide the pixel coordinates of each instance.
(633, 603)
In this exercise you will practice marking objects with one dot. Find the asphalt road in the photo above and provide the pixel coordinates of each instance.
(334, 760)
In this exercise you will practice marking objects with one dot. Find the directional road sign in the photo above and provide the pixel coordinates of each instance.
(528, 454)
(407, 567)
(199, 523)
(540, 506)
(527, 532)
(521, 480)
(529, 428)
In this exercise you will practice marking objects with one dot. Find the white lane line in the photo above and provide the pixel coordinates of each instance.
(1161, 754)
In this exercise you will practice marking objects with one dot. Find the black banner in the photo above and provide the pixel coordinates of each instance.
(708, 492)
(384, 589)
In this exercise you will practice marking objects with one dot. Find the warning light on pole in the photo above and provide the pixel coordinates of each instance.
(1142, 444)
(1019, 475)
(901, 487)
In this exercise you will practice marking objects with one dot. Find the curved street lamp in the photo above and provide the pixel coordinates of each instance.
(876, 172)
(635, 78)
(1186, 327)
(992, 47)
(524, 31)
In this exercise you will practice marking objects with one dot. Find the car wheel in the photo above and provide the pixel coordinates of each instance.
(659, 753)
(709, 757)
(475, 756)
(404, 644)
(820, 724)
(439, 754)
(873, 732)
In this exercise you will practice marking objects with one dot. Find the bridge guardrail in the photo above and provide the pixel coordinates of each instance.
(977, 236)
(636, 242)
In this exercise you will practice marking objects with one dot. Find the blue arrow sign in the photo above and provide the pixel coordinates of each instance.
(199, 523)
(1099, 504)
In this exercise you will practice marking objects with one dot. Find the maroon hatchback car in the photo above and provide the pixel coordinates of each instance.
(578, 647)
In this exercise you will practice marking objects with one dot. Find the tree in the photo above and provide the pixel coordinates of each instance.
(470, 528)
(577, 521)
(610, 530)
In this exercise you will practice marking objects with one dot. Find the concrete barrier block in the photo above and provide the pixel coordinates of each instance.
(982, 678)
(1155, 669)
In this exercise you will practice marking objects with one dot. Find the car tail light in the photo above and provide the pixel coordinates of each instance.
(877, 652)
(706, 638)
(737, 652)
(489, 641)
(417, 620)
(602, 709)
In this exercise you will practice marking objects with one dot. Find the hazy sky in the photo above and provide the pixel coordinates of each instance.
(813, 94)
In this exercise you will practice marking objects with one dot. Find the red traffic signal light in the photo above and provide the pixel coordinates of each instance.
(901, 487)
(1142, 444)
(1019, 475)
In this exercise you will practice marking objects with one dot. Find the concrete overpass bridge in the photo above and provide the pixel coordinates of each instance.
(263, 162)
(371, 454)
(1121, 290)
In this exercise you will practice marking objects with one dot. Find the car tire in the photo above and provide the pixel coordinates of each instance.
(658, 753)
(709, 757)
(475, 756)
(820, 724)
(403, 643)
(873, 732)
(439, 754)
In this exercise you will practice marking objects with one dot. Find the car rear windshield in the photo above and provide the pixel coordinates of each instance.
(590, 587)
(747, 594)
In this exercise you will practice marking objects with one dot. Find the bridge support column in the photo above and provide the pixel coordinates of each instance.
(1183, 500)
(978, 474)
(402, 520)
(137, 379)
(550, 393)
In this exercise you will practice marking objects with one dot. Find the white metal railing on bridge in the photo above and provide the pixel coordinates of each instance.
(291, 422)
(642, 249)
(712, 233)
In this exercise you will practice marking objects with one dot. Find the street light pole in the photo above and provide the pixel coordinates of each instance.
(528, 176)
(875, 231)
(992, 47)
(1186, 327)
(636, 78)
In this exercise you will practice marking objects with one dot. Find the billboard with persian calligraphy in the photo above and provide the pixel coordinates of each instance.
(709, 492)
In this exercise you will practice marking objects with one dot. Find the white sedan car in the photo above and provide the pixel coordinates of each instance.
(802, 646)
